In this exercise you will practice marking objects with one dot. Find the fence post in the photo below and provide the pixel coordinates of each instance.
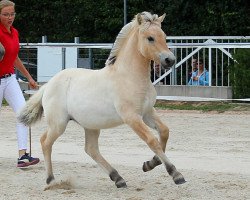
(210, 65)
(63, 57)
(44, 39)
(77, 41)
(90, 59)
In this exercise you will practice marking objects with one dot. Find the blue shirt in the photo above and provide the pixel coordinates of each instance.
(202, 80)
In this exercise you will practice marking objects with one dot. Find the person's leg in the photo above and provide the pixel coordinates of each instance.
(15, 99)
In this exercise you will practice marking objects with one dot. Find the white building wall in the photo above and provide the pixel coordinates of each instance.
(50, 61)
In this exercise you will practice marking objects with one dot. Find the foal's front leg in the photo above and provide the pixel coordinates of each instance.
(92, 149)
(154, 122)
(136, 123)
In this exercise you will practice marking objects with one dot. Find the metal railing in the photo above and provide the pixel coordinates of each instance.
(215, 51)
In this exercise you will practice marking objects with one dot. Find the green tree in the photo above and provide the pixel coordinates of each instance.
(240, 74)
(100, 21)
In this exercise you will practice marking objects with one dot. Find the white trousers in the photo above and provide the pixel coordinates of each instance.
(11, 92)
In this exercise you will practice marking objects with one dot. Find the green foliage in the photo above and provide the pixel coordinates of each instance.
(240, 74)
(100, 21)
(4, 103)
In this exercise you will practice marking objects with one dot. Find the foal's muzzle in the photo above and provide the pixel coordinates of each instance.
(167, 60)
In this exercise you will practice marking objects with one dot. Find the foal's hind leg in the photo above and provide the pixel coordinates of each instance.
(47, 140)
(154, 122)
(92, 149)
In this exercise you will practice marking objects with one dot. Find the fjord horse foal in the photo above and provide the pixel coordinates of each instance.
(121, 92)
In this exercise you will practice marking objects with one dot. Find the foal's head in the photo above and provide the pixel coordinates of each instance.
(152, 40)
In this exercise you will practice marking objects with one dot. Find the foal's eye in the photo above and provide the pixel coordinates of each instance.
(151, 39)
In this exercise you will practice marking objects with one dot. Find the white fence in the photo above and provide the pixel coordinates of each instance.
(216, 52)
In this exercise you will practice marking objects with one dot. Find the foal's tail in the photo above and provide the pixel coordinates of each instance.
(33, 110)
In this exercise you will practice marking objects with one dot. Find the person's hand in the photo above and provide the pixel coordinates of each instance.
(195, 78)
(33, 84)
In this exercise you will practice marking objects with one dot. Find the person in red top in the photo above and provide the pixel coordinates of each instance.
(9, 87)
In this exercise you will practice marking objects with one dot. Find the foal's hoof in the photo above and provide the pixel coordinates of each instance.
(179, 179)
(146, 166)
(121, 184)
(49, 179)
(149, 165)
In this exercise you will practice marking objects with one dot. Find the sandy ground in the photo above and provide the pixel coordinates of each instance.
(211, 150)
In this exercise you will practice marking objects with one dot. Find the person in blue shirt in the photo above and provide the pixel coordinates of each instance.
(200, 76)
(194, 67)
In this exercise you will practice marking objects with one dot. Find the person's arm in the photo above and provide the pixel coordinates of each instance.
(19, 65)
(192, 79)
(204, 79)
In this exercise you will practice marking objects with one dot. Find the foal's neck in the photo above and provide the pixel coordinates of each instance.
(132, 61)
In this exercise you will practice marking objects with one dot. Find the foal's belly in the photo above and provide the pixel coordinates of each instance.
(96, 117)
(95, 122)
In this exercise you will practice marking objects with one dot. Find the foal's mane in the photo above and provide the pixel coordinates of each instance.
(143, 19)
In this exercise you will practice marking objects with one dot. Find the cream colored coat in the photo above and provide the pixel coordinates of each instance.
(119, 93)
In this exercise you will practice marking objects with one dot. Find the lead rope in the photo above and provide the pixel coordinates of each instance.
(29, 127)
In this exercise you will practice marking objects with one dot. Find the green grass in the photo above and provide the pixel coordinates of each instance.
(4, 103)
(202, 106)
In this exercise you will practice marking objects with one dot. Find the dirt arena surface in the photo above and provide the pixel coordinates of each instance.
(211, 150)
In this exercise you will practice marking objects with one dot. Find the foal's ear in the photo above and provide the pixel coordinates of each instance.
(139, 18)
(161, 18)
